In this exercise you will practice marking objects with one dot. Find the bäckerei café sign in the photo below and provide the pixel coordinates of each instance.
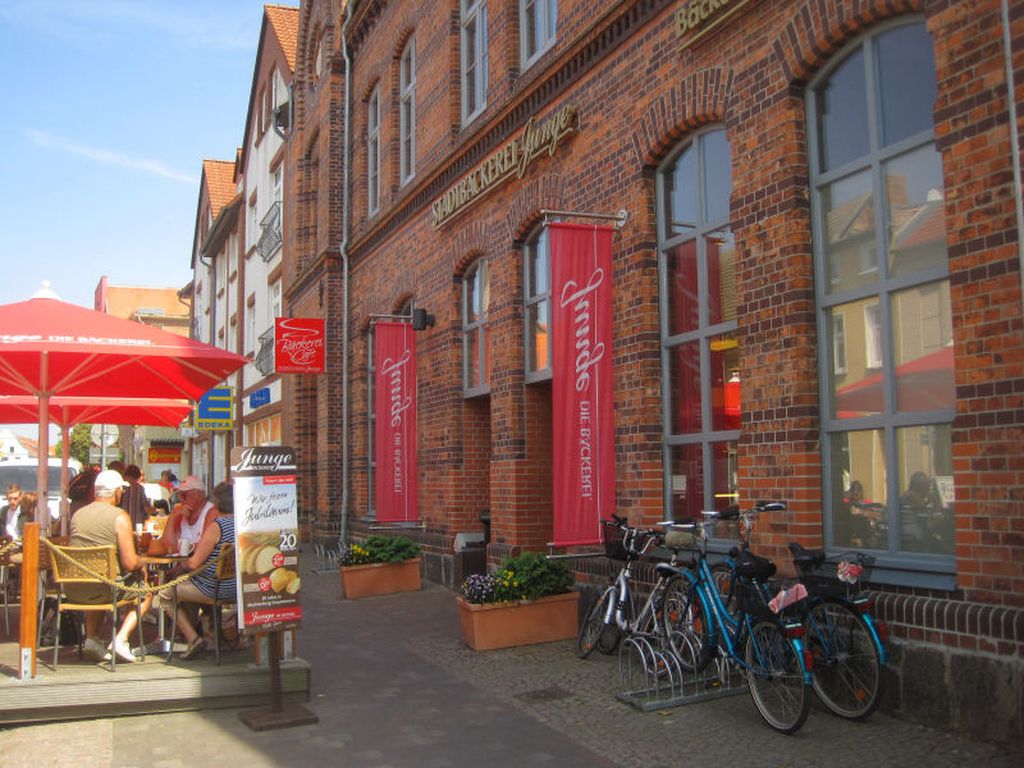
(512, 159)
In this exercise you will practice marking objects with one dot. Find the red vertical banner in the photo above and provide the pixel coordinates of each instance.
(396, 423)
(583, 430)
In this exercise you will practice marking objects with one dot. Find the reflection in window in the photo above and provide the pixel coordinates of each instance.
(473, 58)
(883, 292)
(373, 151)
(701, 379)
(476, 295)
(537, 20)
(407, 113)
(537, 289)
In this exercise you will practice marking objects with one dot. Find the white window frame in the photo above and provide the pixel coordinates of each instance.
(545, 13)
(373, 152)
(474, 29)
(407, 113)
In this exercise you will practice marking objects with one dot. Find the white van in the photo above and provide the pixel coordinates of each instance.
(25, 474)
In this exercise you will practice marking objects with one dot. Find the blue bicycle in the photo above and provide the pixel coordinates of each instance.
(768, 649)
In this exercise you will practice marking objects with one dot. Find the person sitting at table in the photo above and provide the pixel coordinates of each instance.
(10, 513)
(103, 523)
(203, 587)
(190, 516)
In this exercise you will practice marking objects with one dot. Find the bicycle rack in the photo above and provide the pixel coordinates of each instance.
(651, 675)
(327, 557)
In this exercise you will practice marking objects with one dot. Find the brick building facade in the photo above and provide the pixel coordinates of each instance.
(823, 215)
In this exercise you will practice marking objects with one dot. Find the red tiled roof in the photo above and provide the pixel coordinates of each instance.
(220, 183)
(285, 23)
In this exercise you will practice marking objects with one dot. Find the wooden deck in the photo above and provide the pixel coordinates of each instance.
(85, 689)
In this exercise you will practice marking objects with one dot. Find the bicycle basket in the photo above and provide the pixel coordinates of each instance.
(613, 546)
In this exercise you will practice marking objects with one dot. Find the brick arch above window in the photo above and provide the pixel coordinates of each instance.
(547, 191)
(814, 33)
(472, 241)
(402, 40)
(700, 99)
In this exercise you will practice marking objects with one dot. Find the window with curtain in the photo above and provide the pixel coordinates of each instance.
(476, 296)
(882, 287)
(700, 352)
(473, 58)
(407, 113)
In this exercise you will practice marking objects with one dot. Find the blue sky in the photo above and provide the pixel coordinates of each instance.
(111, 106)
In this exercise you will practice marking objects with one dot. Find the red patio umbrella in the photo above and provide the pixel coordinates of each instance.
(924, 383)
(49, 348)
(69, 411)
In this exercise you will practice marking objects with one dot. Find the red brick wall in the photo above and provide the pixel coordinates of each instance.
(638, 96)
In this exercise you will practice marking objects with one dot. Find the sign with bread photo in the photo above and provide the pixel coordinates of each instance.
(267, 531)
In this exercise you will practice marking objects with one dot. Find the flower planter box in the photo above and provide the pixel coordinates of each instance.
(380, 579)
(502, 625)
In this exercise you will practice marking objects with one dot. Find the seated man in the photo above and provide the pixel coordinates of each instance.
(203, 587)
(103, 523)
(190, 517)
(10, 513)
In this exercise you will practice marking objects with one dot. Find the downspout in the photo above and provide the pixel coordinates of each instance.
(1011, 108)
(343, 252)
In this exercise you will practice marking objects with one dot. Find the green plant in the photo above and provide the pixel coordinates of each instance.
(524, 577)
(380, 549)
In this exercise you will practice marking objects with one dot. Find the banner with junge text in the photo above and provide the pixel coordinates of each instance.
(583, 429)
(395, 403)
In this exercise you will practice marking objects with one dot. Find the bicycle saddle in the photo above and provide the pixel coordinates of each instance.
(751, 566)
(803, 557)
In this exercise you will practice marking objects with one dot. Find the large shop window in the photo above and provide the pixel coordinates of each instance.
(473, 58)
(537, 22)
(407, 113)
(537, 300)
(884, 317)
(373, 152)
(700, 354)
(476, 333)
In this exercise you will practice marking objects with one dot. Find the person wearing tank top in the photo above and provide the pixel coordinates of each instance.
(190, 517)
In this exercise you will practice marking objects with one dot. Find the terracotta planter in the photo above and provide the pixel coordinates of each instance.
(380, 579)
(501, 625)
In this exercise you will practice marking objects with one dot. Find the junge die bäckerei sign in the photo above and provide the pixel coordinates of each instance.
(397, 468)
(267, 532)
(583, 417)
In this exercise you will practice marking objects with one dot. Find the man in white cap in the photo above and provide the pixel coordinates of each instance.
(189, 518)
(103, 523)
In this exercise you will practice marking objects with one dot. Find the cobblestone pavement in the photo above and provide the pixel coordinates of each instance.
(394, 686)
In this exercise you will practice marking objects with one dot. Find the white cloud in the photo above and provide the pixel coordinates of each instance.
(107, 156)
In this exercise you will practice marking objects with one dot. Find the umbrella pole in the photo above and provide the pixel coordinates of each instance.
(43, 450)
(65, 452)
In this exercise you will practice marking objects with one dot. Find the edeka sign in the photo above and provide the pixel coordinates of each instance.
(267, 536)
(698, 17)
(299, 345)
(395, 391)
(583, 417)
(512, 159)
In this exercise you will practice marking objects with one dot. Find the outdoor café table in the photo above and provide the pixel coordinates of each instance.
(162, 565)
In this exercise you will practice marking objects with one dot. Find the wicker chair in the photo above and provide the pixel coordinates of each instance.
(225, 571)
(101, 560)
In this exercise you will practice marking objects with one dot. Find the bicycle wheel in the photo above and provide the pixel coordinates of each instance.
(725, 582)
(847, 665)
(775, 678)
(686, 625)
(594, 633)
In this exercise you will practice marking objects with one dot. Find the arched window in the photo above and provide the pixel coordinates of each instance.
(700, 354)
(476, 356)
(882, 289)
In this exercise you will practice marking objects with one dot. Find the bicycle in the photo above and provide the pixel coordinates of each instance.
(614, 614)
(767, 648)
(847, 643)
(845, 639)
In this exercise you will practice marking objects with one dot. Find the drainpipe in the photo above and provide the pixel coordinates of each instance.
(1011, 108)
(343, 251)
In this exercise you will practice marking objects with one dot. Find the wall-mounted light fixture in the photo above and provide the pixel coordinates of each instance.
(421, 319)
